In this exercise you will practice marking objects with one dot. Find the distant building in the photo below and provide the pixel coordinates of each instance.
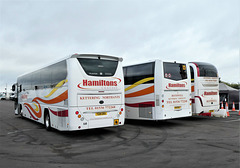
(229, 95)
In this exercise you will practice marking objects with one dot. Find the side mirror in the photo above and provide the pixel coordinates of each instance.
(13, 87)
(20, 89)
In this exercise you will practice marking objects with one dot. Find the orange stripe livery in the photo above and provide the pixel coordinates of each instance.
(141, 92)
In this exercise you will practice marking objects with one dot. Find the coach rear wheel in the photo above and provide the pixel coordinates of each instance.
(47, 122)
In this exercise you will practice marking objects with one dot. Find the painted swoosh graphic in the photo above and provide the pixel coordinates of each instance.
(57, 99)
(117, 79)
(139, 82)
(31, 113)
(37, 108)
(56, 87)
(38, 111)
(141, 92)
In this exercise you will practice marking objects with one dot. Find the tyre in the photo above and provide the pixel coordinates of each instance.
(21, 114)
(21, 111)
(47, 122)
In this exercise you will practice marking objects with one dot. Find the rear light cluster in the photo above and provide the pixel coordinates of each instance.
(120, 111)
(78, 114)
(162, 103)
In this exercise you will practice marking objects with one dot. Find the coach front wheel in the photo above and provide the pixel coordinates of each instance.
(20, 110)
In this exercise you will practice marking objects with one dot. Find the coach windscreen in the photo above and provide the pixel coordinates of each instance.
(207, 70)
(175, 71)
(98, 67)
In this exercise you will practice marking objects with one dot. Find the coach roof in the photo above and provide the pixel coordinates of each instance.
(96, 55)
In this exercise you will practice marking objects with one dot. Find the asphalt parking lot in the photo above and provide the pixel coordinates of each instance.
(186, 142)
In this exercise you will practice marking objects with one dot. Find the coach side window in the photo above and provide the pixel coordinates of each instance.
(46, 77)
(36, 80)
(26, 82)
(135, 73)
(19, 81)
(59, 72)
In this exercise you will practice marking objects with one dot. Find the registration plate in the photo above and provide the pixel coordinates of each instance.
(177, 107)
(211, 111)
(100, 113)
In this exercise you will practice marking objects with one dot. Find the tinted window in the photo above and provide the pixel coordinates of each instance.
(192, 74)
(135, 73)
(45, 77)
(98, 67)
(175, 71)
(36, 78)
(26, 83)
(207, 70)
(59, 72)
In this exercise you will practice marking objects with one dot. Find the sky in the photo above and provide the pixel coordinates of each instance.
(34, 33)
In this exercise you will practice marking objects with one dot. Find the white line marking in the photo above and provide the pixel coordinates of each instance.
(14, 132)
(233, 120)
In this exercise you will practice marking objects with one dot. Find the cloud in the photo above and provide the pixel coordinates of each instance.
(35, 33)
